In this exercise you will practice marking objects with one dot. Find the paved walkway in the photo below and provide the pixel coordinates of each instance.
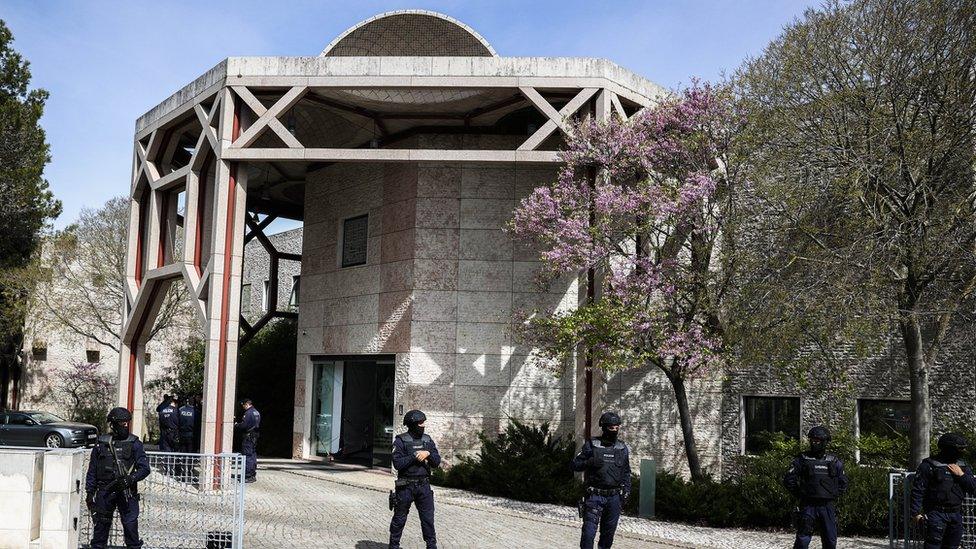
(296, 504)
(312, 507)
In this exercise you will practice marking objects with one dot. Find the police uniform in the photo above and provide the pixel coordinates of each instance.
(939, 495)
(169, 428)
(817, 479)
(187, 426)
(251, 426)
(109, 490)
(605, 463)
(413, 480)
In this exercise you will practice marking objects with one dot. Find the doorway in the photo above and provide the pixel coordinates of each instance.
(353, 412)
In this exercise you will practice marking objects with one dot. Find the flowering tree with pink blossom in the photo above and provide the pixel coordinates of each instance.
(641, 203)
(85, 391)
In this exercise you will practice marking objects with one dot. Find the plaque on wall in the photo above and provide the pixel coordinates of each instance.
(354, 238)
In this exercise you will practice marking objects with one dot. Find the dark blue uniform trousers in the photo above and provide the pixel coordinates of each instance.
(943, 530)
(249, 447)
(418, 493)
(106, 505)
(602, 512)
(812, 517)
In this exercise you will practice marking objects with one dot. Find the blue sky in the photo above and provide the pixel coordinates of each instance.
(105, 63)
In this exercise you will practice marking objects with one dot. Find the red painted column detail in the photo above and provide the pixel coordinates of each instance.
(225, 290)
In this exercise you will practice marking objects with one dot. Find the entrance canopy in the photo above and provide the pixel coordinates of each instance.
(236, 143)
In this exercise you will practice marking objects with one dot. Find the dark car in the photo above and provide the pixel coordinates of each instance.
(22, 428)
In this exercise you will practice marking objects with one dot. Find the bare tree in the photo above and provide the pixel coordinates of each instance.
(862, 206)
(85, 282)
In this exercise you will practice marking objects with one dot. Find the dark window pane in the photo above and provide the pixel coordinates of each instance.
(39, 353)
(884, 418)
(354, 239)
(147, 359)
(92, 356)
(765, 416)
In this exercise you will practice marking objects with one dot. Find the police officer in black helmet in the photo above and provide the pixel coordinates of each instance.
(941, 485)
(605, 463)
(414, 455)
(817, 479)
(117, 464)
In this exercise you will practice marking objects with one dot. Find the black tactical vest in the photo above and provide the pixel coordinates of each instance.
(818, 477)
(412, 446)
(611, 475)
(942, 488)
(105, 468)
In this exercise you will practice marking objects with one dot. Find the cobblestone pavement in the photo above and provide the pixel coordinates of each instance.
(295, 504)
(291, 508)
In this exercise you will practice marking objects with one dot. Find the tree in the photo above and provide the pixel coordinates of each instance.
(86, 286)
(26, 203)
(184, 376)
(87, 393)
(643, 203)
(861, 199)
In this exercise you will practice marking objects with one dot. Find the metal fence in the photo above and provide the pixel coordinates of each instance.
(903, 532)
(189, 501)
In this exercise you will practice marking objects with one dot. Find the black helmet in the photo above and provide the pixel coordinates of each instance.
(414, 417)
(819, 432)
(609, 418)
(119, 414)
(953, 441)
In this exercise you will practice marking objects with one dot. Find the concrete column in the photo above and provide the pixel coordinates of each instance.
(20, 497)
(223, 304)
(61, 498)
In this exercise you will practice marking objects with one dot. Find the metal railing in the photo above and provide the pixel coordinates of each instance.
(903, 532)
(188, 501)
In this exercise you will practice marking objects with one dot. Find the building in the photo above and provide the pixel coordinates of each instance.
(51, 348)
(402, 148)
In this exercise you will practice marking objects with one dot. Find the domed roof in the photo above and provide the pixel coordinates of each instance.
(410, 33)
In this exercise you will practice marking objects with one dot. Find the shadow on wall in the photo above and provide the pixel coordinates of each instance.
(266, 375)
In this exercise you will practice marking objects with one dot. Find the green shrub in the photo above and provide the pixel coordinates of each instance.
(525, 463)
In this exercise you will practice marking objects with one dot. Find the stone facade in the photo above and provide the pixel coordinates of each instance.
(438, 291)
(257, 273)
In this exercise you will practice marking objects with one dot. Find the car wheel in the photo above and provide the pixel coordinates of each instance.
(54, 440)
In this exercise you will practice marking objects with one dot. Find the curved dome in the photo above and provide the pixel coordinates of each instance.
(410, 33)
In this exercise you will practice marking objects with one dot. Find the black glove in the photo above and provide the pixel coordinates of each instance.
(594, 462)
(90, 500)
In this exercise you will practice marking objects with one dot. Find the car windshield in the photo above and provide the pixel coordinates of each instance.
(44, 418)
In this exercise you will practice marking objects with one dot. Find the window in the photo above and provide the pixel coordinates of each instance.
(147, 358)
(92, 356)
(765, 416)
(18, 419)
(264, 295)
(293, 300)
(246, 299)
(39, 352)
(354, 237)
(883, 418)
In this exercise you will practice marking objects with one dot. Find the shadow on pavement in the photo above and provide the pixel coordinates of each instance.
(365, 544)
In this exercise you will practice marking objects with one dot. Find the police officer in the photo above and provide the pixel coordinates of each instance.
(187, 425)
(169, 428)
(250, 425)
(817, 479)
(941, 485)
(163, 404)
(414, 455)
(118, 462)
(605, 463)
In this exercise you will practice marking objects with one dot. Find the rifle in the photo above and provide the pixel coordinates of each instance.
(121, 474)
